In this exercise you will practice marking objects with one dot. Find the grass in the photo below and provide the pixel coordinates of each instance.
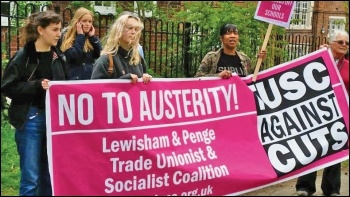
(10, 172)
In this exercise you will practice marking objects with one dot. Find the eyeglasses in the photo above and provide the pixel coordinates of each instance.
(129, 28)
(341, 42)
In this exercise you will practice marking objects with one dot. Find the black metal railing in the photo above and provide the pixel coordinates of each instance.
(171, 49)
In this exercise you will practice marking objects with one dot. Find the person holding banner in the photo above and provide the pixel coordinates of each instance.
(120, 57)
(331, 178)
(80, 45)
(25, 81)
(339, 47)
(227, 59)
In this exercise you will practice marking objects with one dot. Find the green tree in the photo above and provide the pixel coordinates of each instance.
(207, 21)
(251, 31)
(74, 5)
(143, 7)
(346, 5)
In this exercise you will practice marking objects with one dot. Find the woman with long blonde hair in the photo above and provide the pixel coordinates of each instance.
(122, 43)
(80, 45)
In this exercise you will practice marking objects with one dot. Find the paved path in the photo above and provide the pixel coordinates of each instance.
(288, 188)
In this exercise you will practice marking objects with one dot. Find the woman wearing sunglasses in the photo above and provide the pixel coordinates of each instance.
(330, 185)
(339, 45)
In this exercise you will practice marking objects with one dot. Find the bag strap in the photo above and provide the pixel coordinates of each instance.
(111, 65)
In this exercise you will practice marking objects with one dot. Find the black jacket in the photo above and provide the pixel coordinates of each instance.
(19, 83)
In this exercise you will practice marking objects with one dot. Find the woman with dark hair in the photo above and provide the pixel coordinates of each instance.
(227, 59)
(25, 81)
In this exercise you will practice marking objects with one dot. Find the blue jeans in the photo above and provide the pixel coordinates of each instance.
(31, 146)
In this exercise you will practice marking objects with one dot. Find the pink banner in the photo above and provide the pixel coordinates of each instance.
(199, 136)
(275, 12)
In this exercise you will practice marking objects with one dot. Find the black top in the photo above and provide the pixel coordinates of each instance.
(20, 85)
(43, 71)
(44, 67)
(231, 63)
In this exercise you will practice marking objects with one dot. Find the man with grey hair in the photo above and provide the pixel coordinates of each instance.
(305, 186)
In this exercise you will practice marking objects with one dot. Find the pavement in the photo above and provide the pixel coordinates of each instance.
(288, 188)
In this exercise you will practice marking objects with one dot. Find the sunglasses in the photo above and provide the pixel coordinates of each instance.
(341, 42)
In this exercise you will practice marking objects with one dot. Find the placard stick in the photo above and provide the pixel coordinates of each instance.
(267, 36)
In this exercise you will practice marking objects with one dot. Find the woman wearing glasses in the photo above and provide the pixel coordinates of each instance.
(121, 50)
(330, 185)
(339, 46)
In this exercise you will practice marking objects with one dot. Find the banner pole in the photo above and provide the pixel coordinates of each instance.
(267, 36)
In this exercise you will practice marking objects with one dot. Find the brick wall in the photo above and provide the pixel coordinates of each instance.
(13, 44)
(320, 17)
(327, 9)
(58, 6)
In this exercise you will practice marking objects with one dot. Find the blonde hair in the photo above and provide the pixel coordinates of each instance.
(115, 33)
(71, 34)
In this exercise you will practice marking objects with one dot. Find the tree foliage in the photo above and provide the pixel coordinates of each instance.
(22, 9)
(346, 5)
(74, 5)
(208, 17)
(251, 31)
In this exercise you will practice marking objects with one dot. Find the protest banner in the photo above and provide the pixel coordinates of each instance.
(198, 136)
(302, 110)
(273, 12)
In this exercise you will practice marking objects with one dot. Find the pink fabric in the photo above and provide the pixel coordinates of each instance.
(343, 66)
(275, 12)
(199, 136)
